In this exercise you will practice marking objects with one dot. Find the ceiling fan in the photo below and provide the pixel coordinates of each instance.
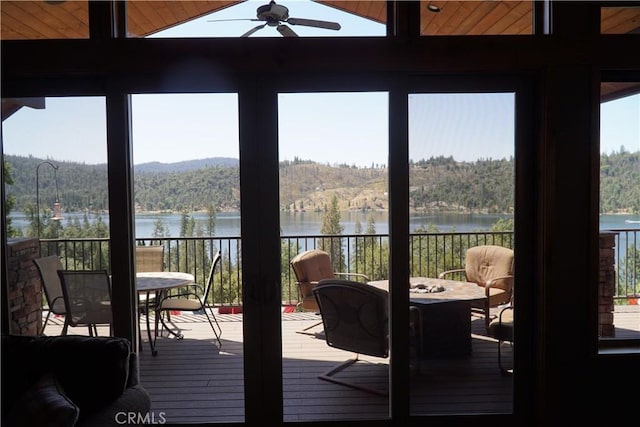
(276, 15)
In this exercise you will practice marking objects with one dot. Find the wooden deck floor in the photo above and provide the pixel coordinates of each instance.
(194, 381)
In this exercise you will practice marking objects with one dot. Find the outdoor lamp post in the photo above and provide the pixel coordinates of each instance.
(57, 206)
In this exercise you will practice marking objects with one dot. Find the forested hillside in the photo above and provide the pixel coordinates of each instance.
(620, 183)
(482, 186)
(437, 184)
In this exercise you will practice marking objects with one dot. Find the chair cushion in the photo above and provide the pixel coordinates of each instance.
(181, 304)
(44, 403)
(498, 296)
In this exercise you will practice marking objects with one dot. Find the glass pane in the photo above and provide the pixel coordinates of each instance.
(56, 190)
(257, 18)
(187, 198)
(474, 18)
(619, 279)
(620, 20)
(30, 20)
(462, 183)
(333, 197)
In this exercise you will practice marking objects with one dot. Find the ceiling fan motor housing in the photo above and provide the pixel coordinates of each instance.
(273, 13)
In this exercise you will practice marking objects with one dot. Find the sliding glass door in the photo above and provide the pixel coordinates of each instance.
(461, 205)
(334, 205)
(187, 201)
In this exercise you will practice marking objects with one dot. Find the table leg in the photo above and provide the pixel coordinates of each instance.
(152, 342)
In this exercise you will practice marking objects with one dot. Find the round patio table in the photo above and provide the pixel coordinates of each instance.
(159, 282)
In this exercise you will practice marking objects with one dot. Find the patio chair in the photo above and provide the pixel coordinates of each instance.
(309, 268)
(48, 270)
(355, 318)
(87, 298)
(190, 301)
(501, 328)
(490, 267)
(149, 258)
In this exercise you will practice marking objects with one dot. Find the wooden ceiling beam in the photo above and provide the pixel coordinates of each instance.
(162, 57)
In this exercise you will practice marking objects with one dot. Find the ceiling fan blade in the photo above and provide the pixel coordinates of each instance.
(228, 20)
(253, 30)
(314, 23)
(286, 31)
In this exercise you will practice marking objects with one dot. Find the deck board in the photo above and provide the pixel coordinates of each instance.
(194, 381)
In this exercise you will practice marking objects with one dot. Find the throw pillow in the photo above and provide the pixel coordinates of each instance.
(44, 404)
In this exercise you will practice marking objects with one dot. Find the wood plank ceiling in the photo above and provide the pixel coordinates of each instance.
(55, 19)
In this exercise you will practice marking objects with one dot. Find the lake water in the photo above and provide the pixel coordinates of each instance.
(310, 223)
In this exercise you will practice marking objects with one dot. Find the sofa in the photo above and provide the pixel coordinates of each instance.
(70, 381)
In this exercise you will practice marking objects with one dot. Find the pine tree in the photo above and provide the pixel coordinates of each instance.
(331, 226)
(210, 226)
(160, 229)
(10, 200)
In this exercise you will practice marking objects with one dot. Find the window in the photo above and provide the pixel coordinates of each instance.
(333, 197)
(187, 198)
(257, 18)
(619, 279)
(462, 186)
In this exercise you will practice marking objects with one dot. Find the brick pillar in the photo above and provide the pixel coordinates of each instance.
(606, 284)
(24, 288)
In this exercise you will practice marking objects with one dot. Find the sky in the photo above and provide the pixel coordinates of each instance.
(349, 128)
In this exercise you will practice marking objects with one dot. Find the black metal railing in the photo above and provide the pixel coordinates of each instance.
(430, 254)
(627, 264)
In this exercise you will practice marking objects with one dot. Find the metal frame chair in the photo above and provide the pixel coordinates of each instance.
(309, 268)
(501, 328)
(355, 318)
(190, 301)
(149, 258)
(87, 298)
(48, 269)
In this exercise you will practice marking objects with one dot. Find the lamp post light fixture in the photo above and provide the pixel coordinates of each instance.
(57, 206)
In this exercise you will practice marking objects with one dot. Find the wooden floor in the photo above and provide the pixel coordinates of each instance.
(194, 381)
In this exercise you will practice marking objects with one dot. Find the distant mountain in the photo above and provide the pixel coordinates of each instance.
(186, 166)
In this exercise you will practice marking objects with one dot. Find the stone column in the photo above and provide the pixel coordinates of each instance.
(606, 284)
(24, 288)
